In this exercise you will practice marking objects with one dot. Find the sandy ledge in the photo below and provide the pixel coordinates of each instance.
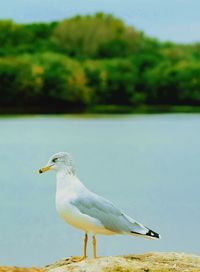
(149, 262)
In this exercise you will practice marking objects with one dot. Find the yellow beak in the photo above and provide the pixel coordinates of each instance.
(44, 169)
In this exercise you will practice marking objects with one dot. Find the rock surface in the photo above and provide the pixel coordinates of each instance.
(19, 269)
(149, 262)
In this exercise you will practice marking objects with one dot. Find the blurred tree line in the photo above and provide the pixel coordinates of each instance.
(94, 60)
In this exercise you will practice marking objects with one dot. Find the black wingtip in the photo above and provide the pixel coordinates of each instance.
(153, 234)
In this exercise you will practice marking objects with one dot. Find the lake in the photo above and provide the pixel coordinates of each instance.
(148, 165)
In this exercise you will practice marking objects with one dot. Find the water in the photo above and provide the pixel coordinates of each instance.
(148, 165)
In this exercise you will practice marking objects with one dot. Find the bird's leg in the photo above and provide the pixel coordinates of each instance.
(94, 247)
(85, 246)
(79, 259)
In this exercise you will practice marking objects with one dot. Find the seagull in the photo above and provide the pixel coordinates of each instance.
(87, 211)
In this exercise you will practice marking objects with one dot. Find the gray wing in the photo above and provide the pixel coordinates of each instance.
(111, 217)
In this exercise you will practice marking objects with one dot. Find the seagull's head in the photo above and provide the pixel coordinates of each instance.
(61, 161)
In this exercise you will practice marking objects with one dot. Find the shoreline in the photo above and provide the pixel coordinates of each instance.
(100, 109)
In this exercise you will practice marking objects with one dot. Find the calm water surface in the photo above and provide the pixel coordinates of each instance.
(148, 165)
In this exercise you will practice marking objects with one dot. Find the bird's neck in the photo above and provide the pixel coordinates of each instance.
(66, 181)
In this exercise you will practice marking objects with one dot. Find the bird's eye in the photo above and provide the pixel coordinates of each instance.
(55, 159)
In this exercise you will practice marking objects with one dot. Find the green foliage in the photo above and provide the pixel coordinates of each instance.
(113, 80)
(86, 61)
(43, 78)
(178, 83)
(19, 84)
(64, 79)
(98, 36)
(16, 39)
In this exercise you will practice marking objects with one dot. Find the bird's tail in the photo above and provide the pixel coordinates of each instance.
(138, 229)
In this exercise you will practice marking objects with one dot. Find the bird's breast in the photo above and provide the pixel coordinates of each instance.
(63, 205)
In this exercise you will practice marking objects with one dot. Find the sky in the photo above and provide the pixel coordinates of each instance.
(174, 20)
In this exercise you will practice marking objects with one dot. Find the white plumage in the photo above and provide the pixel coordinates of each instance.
(85, 210)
